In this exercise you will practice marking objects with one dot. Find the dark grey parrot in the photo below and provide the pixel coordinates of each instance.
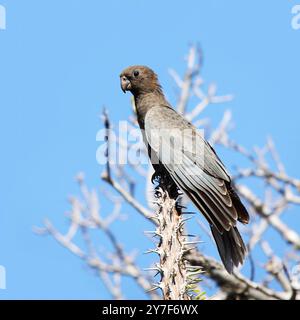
(176, 148)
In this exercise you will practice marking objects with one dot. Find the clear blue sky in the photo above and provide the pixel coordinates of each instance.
(59, 64)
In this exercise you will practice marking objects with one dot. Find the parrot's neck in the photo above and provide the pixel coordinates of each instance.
(145, 101)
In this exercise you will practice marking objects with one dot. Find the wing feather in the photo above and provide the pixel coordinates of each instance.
(201, 176)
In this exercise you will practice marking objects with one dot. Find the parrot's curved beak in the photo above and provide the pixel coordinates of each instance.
(125, 84)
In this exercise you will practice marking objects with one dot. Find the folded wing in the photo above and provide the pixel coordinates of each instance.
(197, 171)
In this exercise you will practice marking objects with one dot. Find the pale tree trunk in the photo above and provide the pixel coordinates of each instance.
(177, 276)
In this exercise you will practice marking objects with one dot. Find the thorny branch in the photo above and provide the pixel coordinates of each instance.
(269, 199)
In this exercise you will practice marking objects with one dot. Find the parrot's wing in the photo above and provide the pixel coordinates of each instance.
(199, 173)
(195, 146)
(192, 164)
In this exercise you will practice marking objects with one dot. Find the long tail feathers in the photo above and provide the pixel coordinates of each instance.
(231, 247)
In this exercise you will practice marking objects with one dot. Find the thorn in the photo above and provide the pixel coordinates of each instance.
(192, 242)
(155, 287)
(196, 271)
(188, 249)
(154, 269)
(150, 232)
(157, 268)
(195, 277)
(153, 251)
(154, 218)
(188, 212)
(194, 281)
(182, 222)
(194, 267)
(154, 232)
(179, 206)
(186, 219)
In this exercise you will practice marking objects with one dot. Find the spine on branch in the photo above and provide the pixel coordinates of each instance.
(178, 279)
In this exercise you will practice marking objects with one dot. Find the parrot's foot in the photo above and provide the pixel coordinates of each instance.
(156, 176)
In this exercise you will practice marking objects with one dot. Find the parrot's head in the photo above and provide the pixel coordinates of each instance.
(138, 80)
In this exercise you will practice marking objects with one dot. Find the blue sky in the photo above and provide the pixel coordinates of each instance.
(59, 64)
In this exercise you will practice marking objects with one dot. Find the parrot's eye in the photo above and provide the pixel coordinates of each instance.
(136, 73)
